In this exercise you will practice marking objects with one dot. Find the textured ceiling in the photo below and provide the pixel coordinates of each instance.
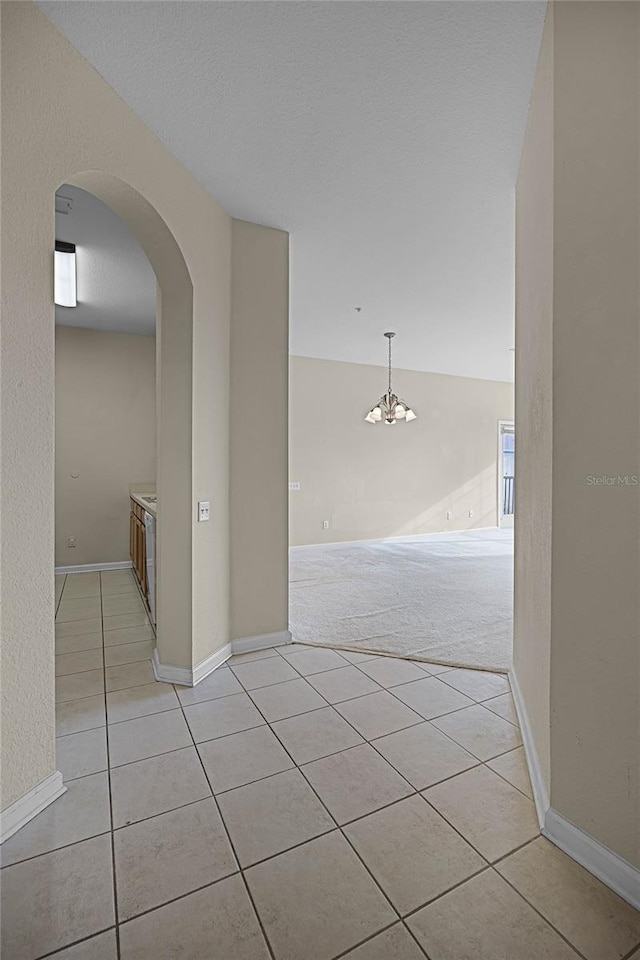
(385, 136)
(116, 286)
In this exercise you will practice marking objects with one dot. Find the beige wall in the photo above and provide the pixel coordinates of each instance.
(589, 619)
(534, 330)
(259, 368)
(105, 418)
(374, 481)
(61, 123)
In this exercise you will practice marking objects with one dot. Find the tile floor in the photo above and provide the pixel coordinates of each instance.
(299, 804)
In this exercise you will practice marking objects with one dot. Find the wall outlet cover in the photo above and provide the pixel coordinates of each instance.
(294, 484)
(203, 511)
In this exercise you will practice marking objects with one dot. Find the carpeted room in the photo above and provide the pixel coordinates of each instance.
(398, 542)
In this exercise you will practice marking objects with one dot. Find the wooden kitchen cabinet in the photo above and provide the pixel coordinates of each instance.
(137, 546)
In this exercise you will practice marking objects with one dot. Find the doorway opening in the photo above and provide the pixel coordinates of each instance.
(506, 473)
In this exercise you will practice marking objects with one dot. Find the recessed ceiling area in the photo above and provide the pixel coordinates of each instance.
(116, 286)
(384, 136)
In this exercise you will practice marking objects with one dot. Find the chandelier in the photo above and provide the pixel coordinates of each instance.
(388, 407)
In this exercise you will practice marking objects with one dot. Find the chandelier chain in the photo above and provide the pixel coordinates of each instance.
(389, 366)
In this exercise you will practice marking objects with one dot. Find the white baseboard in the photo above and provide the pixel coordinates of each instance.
(205, 667)
(261, 642)
(18, 813)
(618, 874)
(189, 678)
(93, 567)
(538, 783)
(413, 537)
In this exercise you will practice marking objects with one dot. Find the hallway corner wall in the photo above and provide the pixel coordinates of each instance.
(577, 538)
(259, 431)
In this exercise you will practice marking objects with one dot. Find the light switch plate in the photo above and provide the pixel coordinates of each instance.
(203, 510)
(294, 484)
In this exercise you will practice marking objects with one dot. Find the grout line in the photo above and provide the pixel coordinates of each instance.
(113, 846)
(64, 846)
(60, 950)
(339, 827)
(542, 916)
(361, 943)
(231, 844)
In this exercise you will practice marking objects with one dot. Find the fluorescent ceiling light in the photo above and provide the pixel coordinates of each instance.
(65, 274)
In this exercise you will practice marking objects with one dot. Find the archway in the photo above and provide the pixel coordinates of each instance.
(174, 415)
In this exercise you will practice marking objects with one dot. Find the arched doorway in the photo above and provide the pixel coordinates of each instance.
(173, 411)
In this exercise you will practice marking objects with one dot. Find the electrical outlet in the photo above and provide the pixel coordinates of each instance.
(449, 515)
(71, 542)
(325, 524)
(203, 510)
(294, 484)
(470, 514)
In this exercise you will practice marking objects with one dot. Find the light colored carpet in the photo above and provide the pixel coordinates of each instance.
(447, 598)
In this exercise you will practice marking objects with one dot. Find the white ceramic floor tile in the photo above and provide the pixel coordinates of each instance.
(317, 901)
(80, 585)
(140, 701)
(80, 813)
(113, 637)
(76, 643)
(513, 767)
(288, 699)
(389, 671)
(344, 683)
(424, 755)
(217, 923)
(484, 919)
(121, 603)
(355, 782)
(431, 698)
(503, 706)
(491, 814)
(314, 735)
(218, 718)
(79, 662)
(412, 852)
(124, 587)
(76, 715)
(74, 686)
(377, 714)
(480, 731)
(243, 758)
(261, 673)
(127, 675)
(83, 609)
(169, 855)
(477, 684)
(81, 754)
(56, 899)
(591, 916)
(147, 737)
(314, 660)
(394, 944)
(128, 652)
(76, 628)
(102, 947)
(354, 657)
(220, 683)
(252, 655)
(272, 815)
(149, 787)
(121, 620)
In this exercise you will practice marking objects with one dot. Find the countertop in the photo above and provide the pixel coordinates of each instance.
(138, 491)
